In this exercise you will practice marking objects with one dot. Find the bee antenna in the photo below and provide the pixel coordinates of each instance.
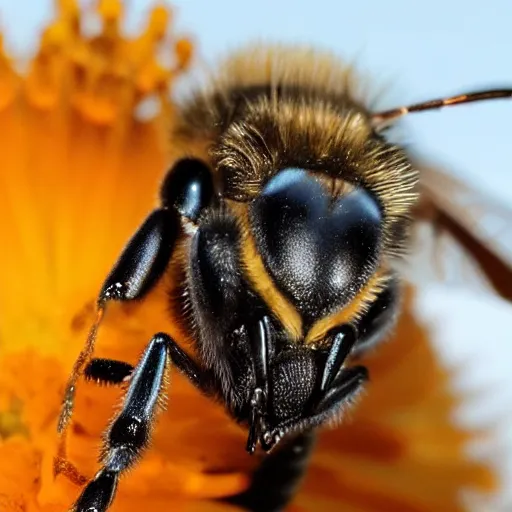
(382, 119)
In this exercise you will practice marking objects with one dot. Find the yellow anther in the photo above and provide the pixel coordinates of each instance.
(184, 52)
(67, 9)
(110, 10)
(54, 36)
(158, 22)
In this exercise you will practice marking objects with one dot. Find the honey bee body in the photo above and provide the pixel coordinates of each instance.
(282, 218)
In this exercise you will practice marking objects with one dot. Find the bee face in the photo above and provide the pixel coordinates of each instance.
(263, 369)
(290, 265)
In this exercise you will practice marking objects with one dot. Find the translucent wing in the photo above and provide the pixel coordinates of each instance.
(461, 236)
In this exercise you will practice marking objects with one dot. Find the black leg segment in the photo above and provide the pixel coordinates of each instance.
(202, 379)
(188, 187)
(344, 340)
(342, 390)
(130, 431)
(144, 258)
(107, 371)
(259, 339)
(99, 494)
(137, 270)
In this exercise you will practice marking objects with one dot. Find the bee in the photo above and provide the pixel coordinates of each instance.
(283, 218)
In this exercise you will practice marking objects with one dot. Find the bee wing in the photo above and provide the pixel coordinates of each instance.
(462, 236)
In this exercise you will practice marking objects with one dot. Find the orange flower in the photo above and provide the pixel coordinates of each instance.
(83, 144)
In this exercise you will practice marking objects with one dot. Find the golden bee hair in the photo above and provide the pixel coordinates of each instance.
(270, 108)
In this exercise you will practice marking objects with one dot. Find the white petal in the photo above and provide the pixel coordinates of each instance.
(473, 334)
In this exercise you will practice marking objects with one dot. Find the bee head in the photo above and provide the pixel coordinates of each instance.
(265, 274)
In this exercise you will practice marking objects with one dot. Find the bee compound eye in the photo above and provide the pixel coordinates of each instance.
(319, 249)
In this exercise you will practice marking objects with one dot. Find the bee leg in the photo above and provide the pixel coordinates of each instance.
(342, 390)
(259, 338)
(130, 431)
(136, 272)
(186, 191)
(344, 340)
(111, 371)
(107, 371)
(139, 267)
(339, 384)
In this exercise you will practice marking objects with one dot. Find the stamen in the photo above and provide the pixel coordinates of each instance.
(78, 369)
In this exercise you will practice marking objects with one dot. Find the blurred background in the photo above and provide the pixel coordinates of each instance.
(413, 52)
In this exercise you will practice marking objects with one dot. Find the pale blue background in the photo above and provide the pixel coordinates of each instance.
(421, 50)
